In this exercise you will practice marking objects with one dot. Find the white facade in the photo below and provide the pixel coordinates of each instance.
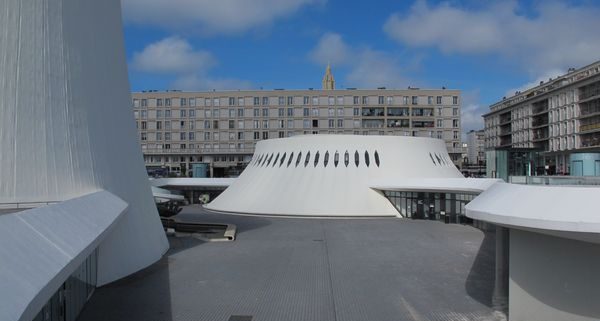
(61, 138)
(333, 175)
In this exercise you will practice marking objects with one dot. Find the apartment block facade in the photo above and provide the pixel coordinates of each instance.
(555, 119)
(220, 128)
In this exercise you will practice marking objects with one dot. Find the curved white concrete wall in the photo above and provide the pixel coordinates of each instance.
(66, 124)
(277, 185)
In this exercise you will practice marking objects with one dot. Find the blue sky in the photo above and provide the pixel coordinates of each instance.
(488, 49)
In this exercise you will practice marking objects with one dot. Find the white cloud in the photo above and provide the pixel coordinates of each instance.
(557, 36)
(368, 68)
(176, 57)
(195, 82)
(210, 16)
(172, 55)
(554, 73)
(471, 111)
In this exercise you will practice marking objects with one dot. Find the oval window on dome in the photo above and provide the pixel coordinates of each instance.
(432, 160)
(336, 158)
(275, 161)
(367, 160)
(298, 159)
(290, 159)
(346, 158)
(316, 158)
(326, 159)
(269, 160)
(356, 158)
(263, 159)
(307, 159)
(282, 159)
(377, 158)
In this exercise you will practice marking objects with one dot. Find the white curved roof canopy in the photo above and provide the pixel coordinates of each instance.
(570, 212)
(332, 175)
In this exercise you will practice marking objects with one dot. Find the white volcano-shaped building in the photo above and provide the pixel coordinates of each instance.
(67, 136)
(333, 175)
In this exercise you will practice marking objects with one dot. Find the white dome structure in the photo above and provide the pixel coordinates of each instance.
(332, 175)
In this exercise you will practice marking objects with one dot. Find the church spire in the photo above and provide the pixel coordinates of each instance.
(328, 81)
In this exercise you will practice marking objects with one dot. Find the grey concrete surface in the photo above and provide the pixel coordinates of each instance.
(312, 269)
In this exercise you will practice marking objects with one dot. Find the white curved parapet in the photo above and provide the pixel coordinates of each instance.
(331, 175)
(570, 212)
(40, 248)
(436, 185)
(66, 123)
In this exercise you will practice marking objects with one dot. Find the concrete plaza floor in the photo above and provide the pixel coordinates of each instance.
(311, 269)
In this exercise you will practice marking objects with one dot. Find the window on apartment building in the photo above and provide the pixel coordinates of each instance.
(191, 124)
(290, 123)
(240, 112)
(455, 100)
(206, 124)
(231, 135)
(340, 100)
(315, 100)
(167, 136)
(438, 100)
(265, 101)
(231, 124)
(306, 112)
(240, 135)
(455, 123)
(281, 112)
(231, 101)
(380, 100)
(356, 111)
(182, 136)
(290, 112)
(206, 135)
(455, 134)
(159, 113)
(315, 123)
(167, 125)
(144, 102)
(331, 111)
(440, 134)
(168, 102)
(315, 112)
(159, 102)
(192, 113)
(365, 100)
(290, 100)
(305, 100)
(281, 123)
(215, 124)
(182, 124)
(265, 135)
(415, 100)
(331, 123)
(355, 100)
(191, 136)
(281, 101)
(281, 134)
(159, 136)
(340, 111)
(331, 100)
(182, 102)
(265, 112)
(206, 101)
(265, 124)
(182, 113)
(454, 111)
(306, 123)
(231, 113)
(256, 135)
(340, 123)
(256, 112)
(440, 123)
(256, 124)
(240, 124)
(144, 125)
(216, 113)
(256, 101)
(192, 102)
(159, 125)
(216, 102)
(430, 100)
